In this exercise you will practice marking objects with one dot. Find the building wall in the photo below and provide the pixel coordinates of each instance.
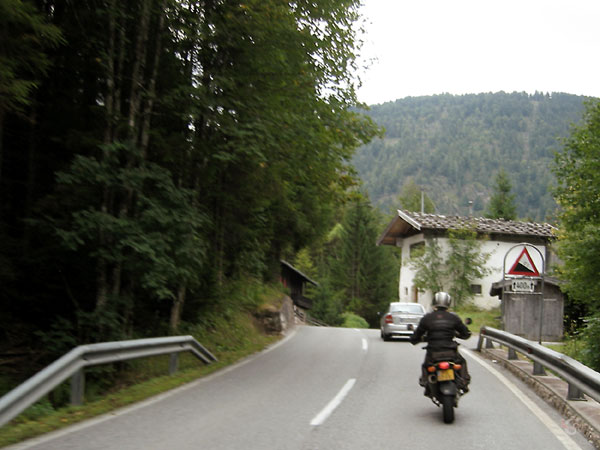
(499, 258)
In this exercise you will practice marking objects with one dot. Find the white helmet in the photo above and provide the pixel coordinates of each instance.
(441, 300)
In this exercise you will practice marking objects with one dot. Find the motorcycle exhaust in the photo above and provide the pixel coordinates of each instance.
(432, 378)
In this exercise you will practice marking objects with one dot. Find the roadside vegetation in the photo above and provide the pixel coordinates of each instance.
(479, 317)
(231, 332)
(192, 153)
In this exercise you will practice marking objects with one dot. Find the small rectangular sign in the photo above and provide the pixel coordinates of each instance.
(523, 285)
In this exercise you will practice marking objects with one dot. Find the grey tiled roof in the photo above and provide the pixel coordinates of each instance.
(481, 224)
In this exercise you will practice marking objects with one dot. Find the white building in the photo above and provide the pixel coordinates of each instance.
(409, 230)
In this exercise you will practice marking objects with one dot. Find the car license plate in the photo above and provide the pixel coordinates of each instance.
(445, 375)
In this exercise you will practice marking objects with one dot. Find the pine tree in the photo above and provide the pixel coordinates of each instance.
(502, 204)
(577, 168)
(413, 198)
(367, 274)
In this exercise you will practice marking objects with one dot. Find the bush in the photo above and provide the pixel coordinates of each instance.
(591, 339)
(351, 320)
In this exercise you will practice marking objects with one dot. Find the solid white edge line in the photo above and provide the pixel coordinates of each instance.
(320, 418)
(560, 434)
(24, 445)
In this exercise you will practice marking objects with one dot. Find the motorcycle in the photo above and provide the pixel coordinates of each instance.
(443, 381)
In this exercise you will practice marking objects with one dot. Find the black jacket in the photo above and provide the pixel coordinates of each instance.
(439, 329)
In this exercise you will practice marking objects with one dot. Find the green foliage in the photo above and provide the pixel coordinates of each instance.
(590, 353)
(328, 305)
(228, 338)
(480, 317)
(465, 263)
(412, 197)
(577, 168)
(452, 146)
(429, 266)
(351, 320)
(453, 272)
(365, 274)
(501, 204)
(196, 145)
(26, 36)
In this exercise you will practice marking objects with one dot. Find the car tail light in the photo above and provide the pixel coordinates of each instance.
(389, 319)
(444, 365)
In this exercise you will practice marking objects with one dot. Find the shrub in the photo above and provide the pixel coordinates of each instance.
(351, 320)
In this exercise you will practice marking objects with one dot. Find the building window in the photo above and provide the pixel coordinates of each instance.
(476, 289)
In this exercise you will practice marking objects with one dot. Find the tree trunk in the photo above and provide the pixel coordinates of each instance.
(176, 309)
(147, 114)
(2, 115)
(137, 71)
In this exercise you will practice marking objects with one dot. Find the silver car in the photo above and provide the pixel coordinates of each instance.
(401, 319)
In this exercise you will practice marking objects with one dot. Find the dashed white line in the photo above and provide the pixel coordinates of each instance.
(365, 345)
(320, 418)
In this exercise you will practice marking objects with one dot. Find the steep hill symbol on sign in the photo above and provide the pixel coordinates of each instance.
(524, 265)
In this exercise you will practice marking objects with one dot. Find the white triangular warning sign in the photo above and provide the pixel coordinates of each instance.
(524, 265)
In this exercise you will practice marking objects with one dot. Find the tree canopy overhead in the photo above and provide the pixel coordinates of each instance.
(170, 146)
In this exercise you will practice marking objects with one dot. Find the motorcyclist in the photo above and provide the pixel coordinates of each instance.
(438, 329)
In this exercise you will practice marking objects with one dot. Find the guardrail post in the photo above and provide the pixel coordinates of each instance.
(512, 354)
(77, 387)
(489, 343)
(538, 369)
(173, 363)
(574, 393)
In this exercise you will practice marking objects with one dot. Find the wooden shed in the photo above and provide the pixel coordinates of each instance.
(521, 311)
(295, 280)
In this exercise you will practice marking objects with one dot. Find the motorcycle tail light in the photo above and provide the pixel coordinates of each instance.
(431, 369)
(444, 365)
(389, 319)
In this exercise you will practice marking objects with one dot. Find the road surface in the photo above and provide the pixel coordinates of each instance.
(327, 388)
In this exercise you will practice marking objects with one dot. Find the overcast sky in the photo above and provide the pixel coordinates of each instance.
(427, 47)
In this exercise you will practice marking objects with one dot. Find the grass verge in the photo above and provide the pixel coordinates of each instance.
(230, 336)
(480, 317)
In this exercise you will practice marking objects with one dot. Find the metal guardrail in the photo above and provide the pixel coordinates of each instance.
(73, 364)
(580, 378)
(307, 319)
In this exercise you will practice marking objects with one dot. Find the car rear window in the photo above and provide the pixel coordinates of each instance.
(409, 309)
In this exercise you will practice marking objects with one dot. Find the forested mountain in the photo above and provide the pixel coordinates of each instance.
(453, 147)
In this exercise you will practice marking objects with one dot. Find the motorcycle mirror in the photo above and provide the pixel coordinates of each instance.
(468, 321)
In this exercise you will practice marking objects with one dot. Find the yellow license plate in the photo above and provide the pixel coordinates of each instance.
(445, 375)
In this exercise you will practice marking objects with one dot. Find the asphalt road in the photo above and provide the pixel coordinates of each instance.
(327, 388)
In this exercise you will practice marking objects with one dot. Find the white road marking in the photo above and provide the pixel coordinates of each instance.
(142, 404)
(560, 434)
(320, 418)
(365, 345)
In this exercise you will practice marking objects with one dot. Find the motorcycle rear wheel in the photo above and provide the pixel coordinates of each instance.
(448, 408)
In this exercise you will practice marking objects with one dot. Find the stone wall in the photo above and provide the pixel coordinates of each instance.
(277, 320)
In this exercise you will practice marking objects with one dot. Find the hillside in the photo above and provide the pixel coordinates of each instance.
(453, 146)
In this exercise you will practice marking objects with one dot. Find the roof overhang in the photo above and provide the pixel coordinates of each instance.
(400, 226)
(297, 272)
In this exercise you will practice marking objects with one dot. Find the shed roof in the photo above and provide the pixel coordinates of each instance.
(408, 223)
(297, 272)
